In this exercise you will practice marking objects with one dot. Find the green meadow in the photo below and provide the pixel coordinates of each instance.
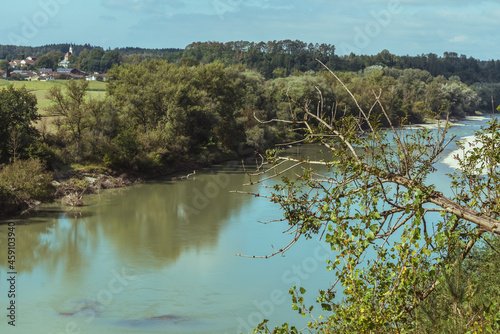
(96, 90)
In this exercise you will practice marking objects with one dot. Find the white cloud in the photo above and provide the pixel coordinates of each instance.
(459, 39)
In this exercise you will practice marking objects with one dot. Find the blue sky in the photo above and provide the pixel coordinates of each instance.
(360, 26)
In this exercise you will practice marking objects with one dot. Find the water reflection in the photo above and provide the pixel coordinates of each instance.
(54, 243)
(163, 219)
(156, 221)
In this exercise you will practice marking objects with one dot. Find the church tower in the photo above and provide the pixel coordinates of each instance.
(69, 53)
(65, 63)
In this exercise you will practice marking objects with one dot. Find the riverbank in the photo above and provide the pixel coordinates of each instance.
(25, 187)
(69, 184)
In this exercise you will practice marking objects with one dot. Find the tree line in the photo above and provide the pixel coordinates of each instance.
(277, 58)
(11, 52)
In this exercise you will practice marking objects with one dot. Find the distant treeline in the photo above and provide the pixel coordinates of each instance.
(281, 58)
(276, 59)
(11, 52)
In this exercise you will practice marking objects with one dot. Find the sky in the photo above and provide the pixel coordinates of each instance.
(404, 27)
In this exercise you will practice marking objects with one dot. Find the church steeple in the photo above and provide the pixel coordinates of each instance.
(65, 63)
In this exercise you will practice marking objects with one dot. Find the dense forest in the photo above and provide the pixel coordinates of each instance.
(288, 56)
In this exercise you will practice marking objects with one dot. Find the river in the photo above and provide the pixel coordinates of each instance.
(159, 257)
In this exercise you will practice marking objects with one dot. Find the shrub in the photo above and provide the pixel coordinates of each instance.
(24, 182)
(43, 152)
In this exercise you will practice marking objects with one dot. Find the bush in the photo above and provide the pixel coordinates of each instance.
(43, 152)
(24, 182)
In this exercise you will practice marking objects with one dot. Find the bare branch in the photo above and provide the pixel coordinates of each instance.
(280, 251)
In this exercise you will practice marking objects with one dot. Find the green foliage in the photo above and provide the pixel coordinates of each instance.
(479, 171)
(84, 125)
(98, 60)
(5, 67)
(195, 106)
(466, 299)
(489, 95)
(265, 57)
(17, 113)
(49, 60)
(42, 152)
(189, 62)
(23, 182)
(71, 107)
(419, 95)
(394, 259)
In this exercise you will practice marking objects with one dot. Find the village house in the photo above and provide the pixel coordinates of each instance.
(46, 74)
(25, 74)
(27, 62)
(41, 77)
(22, 72)
(45, 71)
(71, 71)
(15, 63)
(96, 76)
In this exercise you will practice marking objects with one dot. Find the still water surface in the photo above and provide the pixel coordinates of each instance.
(160, 258)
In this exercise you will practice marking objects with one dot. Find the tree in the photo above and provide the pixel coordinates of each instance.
(191, 107)
(49, 60)
(73, 109)
(395, 239)
(4, 66)
(18, 111)
(110, 59)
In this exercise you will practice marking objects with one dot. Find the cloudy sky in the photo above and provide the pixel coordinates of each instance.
(360, 26)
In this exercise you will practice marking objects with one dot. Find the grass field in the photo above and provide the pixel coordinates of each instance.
(4, 83)
(96, 90)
